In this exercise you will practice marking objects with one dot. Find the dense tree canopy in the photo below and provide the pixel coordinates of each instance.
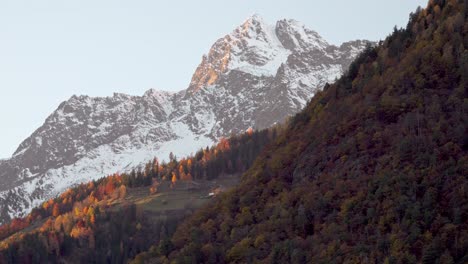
(374, 170)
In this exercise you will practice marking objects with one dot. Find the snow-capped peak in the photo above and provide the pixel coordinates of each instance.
(295, 36)
(252, 48)
(259, 49)
(255, 48)
(254, 27)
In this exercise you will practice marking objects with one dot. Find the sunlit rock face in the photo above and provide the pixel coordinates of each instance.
(254, 77)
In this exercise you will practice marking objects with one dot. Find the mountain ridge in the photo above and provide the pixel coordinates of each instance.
(247, 79)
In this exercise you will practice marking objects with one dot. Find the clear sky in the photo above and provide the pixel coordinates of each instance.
(52, 49)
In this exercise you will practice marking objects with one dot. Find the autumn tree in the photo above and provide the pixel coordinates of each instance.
(174, 179)
(56, 210)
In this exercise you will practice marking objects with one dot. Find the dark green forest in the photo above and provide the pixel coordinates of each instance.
(374, 170)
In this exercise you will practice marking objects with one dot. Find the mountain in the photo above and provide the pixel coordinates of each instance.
(373, 170)
(254, 77)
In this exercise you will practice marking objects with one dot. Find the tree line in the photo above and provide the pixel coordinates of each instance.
(82, 223)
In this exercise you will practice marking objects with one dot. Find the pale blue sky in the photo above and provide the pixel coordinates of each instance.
(52, 49)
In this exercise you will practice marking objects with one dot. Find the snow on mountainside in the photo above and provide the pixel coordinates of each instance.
(254, 77)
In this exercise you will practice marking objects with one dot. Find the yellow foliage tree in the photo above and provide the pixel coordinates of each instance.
(174, 179)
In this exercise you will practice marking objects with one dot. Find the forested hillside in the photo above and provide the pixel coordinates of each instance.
(374, 170)
(103, 222)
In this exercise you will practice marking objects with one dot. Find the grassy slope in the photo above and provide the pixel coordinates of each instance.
(165, 204)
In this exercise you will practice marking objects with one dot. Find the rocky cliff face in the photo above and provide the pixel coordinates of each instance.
(254, 77)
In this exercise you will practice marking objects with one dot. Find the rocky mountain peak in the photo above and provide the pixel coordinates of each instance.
(254, 27)
(252, 48)
(258, 49)
(295, 36)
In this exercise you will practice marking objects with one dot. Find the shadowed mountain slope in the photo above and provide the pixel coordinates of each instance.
(373, 170)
